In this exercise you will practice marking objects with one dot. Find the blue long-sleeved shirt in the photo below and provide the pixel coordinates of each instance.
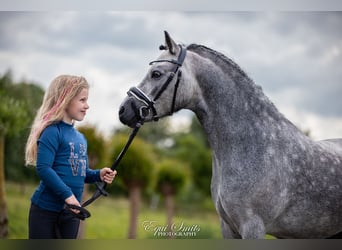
(62, 165)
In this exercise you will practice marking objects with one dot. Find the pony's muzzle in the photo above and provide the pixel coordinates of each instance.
(131, 112)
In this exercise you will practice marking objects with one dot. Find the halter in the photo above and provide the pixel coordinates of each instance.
(149, 103)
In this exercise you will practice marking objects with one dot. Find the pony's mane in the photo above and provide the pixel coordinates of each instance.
(216, 56)
(246, 83)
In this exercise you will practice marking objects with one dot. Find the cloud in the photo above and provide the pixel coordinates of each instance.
(295, 56)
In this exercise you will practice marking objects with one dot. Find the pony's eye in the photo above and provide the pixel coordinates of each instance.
(156, 74)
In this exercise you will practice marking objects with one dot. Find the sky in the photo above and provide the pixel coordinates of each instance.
(296, 57)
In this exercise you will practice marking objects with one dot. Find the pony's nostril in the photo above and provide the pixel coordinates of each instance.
(122, 109)
(144, 111)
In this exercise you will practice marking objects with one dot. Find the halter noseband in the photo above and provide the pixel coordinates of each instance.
(149, 103)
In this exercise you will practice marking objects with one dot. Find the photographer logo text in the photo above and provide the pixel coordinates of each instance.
(174, 230)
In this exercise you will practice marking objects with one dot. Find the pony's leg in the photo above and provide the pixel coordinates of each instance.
(227, 232)
(253, 228)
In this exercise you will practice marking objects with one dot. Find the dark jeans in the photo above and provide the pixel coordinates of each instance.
(44, 224)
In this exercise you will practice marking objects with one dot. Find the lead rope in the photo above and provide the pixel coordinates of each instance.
(101, 186)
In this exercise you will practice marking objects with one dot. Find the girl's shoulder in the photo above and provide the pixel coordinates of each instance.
(63, 131)
(52, 129)
(57, 129)
(51, 136)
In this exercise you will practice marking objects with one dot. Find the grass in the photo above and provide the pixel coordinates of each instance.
(110, 218)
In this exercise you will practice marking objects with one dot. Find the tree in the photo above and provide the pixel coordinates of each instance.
(12, 115)
(30, 95)
(191, 150)
(135, 170)
(155, 133)
(95, 150)
(96, 145)
(171, 177)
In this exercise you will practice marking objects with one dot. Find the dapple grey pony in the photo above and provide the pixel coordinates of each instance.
(267, 176)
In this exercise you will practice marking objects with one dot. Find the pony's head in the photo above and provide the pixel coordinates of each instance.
(156, 95)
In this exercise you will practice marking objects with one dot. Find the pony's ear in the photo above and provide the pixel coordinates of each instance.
(170, 44)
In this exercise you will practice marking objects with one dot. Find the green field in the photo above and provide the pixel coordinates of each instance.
(110, 218)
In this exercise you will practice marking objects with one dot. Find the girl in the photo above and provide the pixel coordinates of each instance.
(59, 152)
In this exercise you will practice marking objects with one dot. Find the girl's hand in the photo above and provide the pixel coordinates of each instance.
(107, 175)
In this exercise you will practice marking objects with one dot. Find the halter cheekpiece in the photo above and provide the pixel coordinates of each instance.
(148, 106)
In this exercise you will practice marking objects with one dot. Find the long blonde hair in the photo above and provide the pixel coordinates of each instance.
(57, 97)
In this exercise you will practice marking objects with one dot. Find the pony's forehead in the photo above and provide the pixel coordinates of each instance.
(165, 54)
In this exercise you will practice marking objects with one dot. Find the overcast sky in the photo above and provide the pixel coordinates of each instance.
(296, 57)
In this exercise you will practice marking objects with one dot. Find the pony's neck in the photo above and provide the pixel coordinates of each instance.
(234, 107)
